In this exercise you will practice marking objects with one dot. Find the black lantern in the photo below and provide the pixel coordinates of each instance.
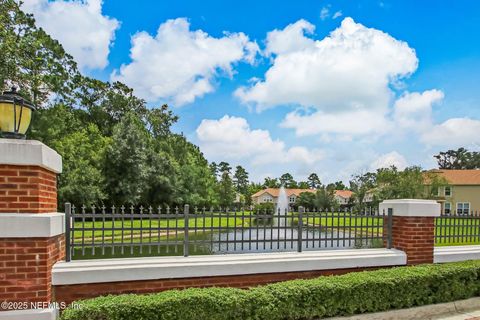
(15, 115)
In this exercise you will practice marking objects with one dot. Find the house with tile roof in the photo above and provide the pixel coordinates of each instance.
(343, 197)
(271, 195)
(462, 193)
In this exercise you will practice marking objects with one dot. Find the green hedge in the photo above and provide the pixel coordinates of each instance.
(264, 208)
(353, 293)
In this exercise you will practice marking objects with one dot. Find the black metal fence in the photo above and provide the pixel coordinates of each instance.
(460, 229)
(98, 232)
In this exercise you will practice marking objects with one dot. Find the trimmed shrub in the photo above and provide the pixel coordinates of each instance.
(264, 208)
(353, 293)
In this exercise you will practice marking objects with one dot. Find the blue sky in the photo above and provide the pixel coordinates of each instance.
(333, 87)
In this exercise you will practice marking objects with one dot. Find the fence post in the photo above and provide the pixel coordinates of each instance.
(32, 231)
(413, 227)
(68, 226)
(389, 227)
(185, 228)
(301, 210)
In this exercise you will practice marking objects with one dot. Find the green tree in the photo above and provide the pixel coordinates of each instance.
(31, 59)
(411, 183)
(306, 199)
(458, 159)
(214, 169)
(303, 185)
(143, 160)
(160, 185)
(339, 185)
(226, 191)
(314, 181)
(271, 183)
(240, 181)
(224, 167)
(287, 181)
(195, 182)
(126, 167)
(325, 199)
(82, 180)
(105, 104)
(52, 124)
(252, 189)
(361, 185)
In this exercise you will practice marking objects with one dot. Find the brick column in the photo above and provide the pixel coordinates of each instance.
(32, 236)
(413, 227)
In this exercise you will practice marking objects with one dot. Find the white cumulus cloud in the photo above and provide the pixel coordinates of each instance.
(454, 133)
(356, 122)
(79, 26)
(413, 110)
(179, 64)
(289, 39)
(232, 138)
(390, 159)
(350, 69)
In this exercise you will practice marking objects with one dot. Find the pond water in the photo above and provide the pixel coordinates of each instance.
(262, 237)
(277, 239)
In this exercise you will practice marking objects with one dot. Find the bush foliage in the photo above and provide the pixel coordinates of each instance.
(353, 293)
(264, 208)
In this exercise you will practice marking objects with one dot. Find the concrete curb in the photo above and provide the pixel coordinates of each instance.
(424, 312)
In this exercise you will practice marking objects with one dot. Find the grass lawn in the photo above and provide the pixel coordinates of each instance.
(152, 228)
(357, 224)
(454, 231)
(449, 230)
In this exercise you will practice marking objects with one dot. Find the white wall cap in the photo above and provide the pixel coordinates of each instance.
(29, 225)
(29, 153)
(412, 207)
(134, 269)
(456, 253)
(29, 314)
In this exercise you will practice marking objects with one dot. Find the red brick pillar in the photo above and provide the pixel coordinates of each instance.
(413, 227)
(32, 232)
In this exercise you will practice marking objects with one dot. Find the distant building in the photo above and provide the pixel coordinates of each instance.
(462, 194)
(271, 195)
(343, 197)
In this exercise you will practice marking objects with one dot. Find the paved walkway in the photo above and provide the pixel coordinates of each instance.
(460, 315)
(468, 309)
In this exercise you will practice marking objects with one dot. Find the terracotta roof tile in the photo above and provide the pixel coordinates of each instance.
(275, 191)
(344, 193)
(459, 177)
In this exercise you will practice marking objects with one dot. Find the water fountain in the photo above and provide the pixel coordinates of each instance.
(281, 235)
(282, 207)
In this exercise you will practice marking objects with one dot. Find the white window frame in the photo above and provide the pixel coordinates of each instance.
(462, 204)
(449, 209)
(267, 199)
(290, 199)
(445, 191)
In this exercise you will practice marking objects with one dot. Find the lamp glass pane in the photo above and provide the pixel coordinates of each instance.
(7, 119)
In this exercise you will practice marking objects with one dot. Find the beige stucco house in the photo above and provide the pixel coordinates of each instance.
(271, 195)
(343, 197)
(462, 194)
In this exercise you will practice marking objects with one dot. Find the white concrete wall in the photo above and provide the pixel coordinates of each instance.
(133, 269)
